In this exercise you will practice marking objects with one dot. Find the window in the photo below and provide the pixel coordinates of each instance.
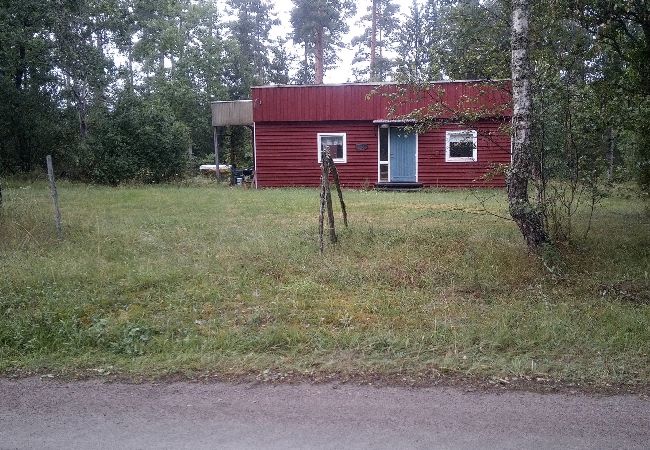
(335, 144)
(461, 146)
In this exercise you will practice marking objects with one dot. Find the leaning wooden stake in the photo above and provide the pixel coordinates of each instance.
(55, 197)
(335, 176)
(330, 211)
(327, 168)
(321, 213)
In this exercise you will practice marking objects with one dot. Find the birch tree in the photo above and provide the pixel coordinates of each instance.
(527, 217)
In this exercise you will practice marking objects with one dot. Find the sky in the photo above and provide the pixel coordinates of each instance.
(343, 73)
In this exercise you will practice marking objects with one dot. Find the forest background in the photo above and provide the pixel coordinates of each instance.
(119, 90)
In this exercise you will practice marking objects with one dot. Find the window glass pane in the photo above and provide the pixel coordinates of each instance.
(383, 144)
(461, 149)
(333, 144)
(383, 172)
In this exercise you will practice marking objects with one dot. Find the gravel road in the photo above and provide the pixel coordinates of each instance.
(36, 413)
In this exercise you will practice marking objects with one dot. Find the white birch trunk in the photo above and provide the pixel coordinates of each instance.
(528, 218)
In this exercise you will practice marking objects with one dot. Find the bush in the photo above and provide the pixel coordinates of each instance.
(140, 141)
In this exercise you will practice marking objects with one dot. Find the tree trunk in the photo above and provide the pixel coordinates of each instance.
(319, 56)
(80, 95)
(527, 217)
(305, 75)
(130, 61)
(373, 42)
(82, 109)
(611, 150)
(20, 71)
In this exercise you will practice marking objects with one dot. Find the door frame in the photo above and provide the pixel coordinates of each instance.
(417, 156)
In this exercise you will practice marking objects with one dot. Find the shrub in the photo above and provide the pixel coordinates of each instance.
(141, 141)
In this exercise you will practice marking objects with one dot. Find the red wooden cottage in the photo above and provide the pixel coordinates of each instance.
(370, 131)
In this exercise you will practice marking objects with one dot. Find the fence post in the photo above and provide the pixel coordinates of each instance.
(55, 197)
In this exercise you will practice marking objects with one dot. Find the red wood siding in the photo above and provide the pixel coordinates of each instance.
(493, 148)
(369, 102)
(286, 154)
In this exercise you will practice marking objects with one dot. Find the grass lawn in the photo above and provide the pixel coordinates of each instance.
(197, 278)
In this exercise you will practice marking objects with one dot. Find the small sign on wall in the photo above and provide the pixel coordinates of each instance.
(361, 147)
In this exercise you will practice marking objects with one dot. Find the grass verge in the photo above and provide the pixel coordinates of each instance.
(153, 280)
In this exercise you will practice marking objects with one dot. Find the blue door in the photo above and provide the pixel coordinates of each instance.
(402, 155)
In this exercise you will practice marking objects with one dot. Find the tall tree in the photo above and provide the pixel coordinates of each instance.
(474, 39)
(320, 23)
(281, 61)
(159, 34)
(419, 44)
(623, 29)
(374, 43)
(528, 218)
(24, 72)
(252, 44)
(78, 35)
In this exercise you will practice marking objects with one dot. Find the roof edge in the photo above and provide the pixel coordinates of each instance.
(377, 83)
(213, 102)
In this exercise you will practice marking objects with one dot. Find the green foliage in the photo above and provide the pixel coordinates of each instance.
(415, 45)
(67, 66)
(325, 18)
(141, 140)
(387, 29)
(61, 92)
(466, 40)
(250, 32)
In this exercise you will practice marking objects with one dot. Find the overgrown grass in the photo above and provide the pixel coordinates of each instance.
(173, 278)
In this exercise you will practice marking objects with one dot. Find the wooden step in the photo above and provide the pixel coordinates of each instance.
(401, 186)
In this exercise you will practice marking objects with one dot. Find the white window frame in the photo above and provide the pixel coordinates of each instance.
(345, 147)
(450, 134)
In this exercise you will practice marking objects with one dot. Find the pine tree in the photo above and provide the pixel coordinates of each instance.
(250, 32)
(318, 25)
(386, 28)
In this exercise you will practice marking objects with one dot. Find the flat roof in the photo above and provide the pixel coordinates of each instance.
(378, 83)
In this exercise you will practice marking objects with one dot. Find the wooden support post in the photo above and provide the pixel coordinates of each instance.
(321, 211)
(330, 211)
(337, 183)
(55, 197)
(215, 134)
(328, 167)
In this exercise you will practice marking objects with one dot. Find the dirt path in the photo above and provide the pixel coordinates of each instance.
(37, 413)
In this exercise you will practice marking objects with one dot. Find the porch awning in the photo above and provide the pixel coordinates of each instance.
(236, 112)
